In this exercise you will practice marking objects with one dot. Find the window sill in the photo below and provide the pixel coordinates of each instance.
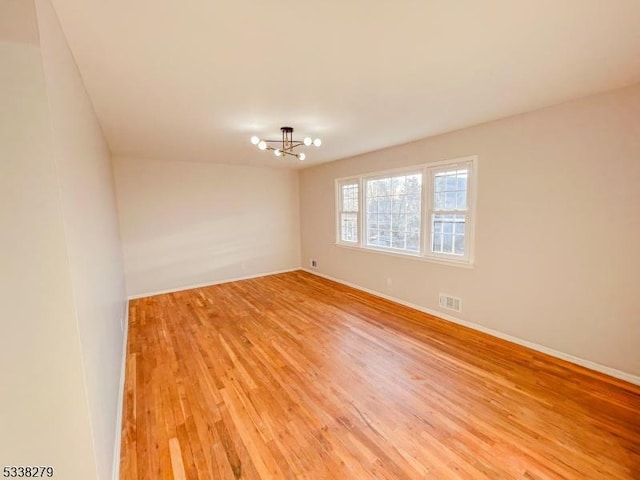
(422, 258)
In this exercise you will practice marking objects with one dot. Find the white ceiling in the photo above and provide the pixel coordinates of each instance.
(194, 80)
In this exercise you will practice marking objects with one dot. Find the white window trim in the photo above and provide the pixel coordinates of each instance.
(339, 184)
(428, 170)
(365, 224)
(431, 172)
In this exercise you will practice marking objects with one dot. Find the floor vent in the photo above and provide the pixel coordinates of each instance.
(449, 302)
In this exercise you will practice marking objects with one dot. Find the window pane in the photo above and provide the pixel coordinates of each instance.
(462, 180)
(397, 204)
(372, 236)
(458, 245)
(450, 195)
(450, 201)
(413, 242)
(447, 243)
(349, 227)
(448, 224)
(448, 234)
(393, 212)
(384, 239)
(350, 197)
(413, 222)
(437, 243)
(372, 189)
(349, 212)
(398, 185)
(450, 190)
(382, 186)
(399, 240)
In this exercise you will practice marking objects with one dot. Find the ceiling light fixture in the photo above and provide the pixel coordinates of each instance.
(287, 145)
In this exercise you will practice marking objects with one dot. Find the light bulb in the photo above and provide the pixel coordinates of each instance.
(262, 145)
(255, 140)
(277, 153)
(307, 141)
(301, 156)
(317, 142)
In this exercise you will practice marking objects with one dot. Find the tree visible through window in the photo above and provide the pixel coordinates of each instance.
(393, 212)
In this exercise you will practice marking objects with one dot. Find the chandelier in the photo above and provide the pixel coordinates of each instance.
(287, 145)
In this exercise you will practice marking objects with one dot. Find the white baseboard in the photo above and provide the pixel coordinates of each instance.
(209, 284)
(534, 346)
(123, 369)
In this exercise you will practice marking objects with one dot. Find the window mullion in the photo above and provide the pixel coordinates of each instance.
(425, 217)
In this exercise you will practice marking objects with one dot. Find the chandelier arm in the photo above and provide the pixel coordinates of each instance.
(284, 152)
(297, 142)
(293, 145)
(281, 147)
(289, 153)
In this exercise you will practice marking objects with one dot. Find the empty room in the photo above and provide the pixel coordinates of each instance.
(320, 240)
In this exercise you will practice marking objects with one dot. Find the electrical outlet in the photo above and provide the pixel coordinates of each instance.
(314, 263)
(389, 281)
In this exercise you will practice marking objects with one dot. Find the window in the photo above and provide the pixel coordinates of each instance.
(393, 212)
(448, 212)
(425, 212)
(349, 200)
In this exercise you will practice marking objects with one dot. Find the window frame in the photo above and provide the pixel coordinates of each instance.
(430, 210)
(365, 223)
(428, 172)
(340, 210)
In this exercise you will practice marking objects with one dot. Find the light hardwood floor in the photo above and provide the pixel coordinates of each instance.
(294, 376)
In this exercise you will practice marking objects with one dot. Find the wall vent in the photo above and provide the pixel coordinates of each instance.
(449, 302)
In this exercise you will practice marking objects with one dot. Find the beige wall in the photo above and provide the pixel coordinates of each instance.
(87, 193)
(44, 416)
(557, 232)
(60, 306)
(187, 224)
